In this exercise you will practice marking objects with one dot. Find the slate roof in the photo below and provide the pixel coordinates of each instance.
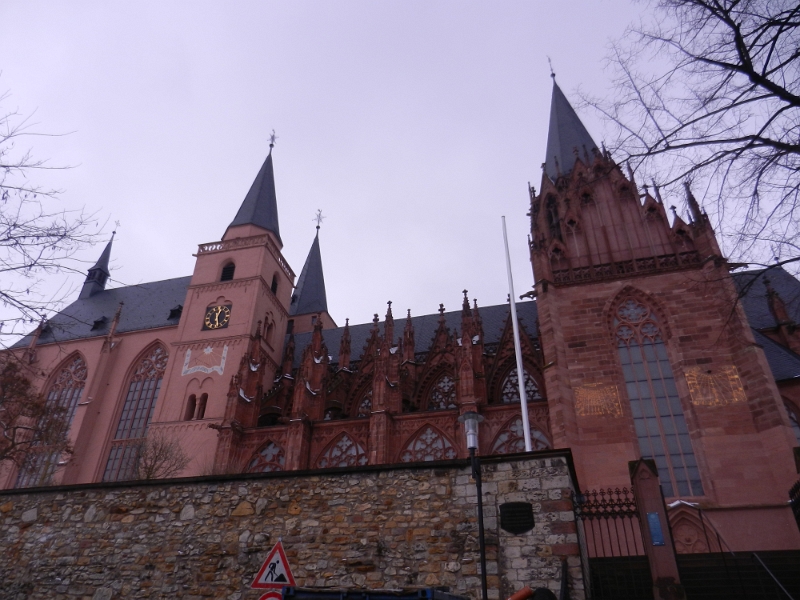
(754, 299)
(425, 326)
(147, 306)
(309, 295)
(566, 133)
(783, 363)
(260, 206)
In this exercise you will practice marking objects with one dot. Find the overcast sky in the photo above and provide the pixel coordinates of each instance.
(413, 126)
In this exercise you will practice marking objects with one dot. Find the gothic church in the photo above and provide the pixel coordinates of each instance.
(638, 342)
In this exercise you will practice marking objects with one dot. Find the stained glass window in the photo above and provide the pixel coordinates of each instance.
(365, 406)
(269, 458)
(657, 412)
(344, 452)
(512, 439)
(137, 411)
(509, 391)
(443, 394)
(63, 396)
(429, 444)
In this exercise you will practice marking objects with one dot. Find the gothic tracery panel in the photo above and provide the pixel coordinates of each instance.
(511, 438)
(269, 458)
(509, 390)
(442, 394)
(428, 444)
(343, 452)
(365, 404)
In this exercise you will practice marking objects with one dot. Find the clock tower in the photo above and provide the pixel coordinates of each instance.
(231, 330)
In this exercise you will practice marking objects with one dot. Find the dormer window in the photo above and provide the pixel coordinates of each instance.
(175, 313)
(227, 272)
(99, 323)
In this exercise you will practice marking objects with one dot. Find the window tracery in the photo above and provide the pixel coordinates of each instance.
(442, 395)
(345, 452)
(657, 412)
(365, 406)
(63, 396)
(270, 458)
(511, 438)
(140, 401)
(509, 391)
(428, 445)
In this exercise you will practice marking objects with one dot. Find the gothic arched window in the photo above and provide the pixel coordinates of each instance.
(62, 397)
(442, 394)
(512, 439)
(428, 444)
(269, 458)
(344, 452)
(509, 391)
(657, 413)
(137, 411)
(365, 404)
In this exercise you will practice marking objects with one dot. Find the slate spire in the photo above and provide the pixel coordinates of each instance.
(260, 206)
(309, 295)
(99, 273)
(567, 134)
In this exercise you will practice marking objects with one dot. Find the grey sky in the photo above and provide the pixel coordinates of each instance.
(413, 125)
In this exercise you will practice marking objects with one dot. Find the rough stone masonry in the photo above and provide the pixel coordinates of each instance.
(382, 527)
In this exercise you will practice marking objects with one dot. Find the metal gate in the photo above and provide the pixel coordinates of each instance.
(612, 548)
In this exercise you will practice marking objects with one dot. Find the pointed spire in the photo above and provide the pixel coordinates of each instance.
(260, 206)
(694, 207)
(309, 296)
(566, 134)
(344, 347)
(408, 338)
(98, 275)
(388, 326)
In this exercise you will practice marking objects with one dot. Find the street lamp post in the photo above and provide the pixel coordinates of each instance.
(470, 420)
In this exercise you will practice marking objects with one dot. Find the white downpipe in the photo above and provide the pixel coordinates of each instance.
(517, 348)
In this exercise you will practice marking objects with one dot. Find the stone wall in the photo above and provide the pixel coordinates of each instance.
(376, 527)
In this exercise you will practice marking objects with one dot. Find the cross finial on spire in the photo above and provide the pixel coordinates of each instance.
(441, 309)
(272, 139)
(318, 218)
(552, 72)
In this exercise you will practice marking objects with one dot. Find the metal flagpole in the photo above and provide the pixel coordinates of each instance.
(517, 349)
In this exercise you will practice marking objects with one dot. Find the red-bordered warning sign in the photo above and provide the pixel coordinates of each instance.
(274, 573)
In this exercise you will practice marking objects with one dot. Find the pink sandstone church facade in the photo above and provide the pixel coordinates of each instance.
(637, 344)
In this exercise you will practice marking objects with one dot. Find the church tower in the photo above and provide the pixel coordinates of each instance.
(645, 345)
(231, 330)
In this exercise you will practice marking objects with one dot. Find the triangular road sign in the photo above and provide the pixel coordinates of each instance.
(275, 572)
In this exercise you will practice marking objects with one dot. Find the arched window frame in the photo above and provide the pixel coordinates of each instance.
(441, 393)
(343, 451)
(228, 271)
(139, 401)
(267, 459)
(362, 405)
(428, 443)
(640, 333)
(64, 391)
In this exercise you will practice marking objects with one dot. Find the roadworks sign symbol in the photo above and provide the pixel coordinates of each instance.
(275, 572)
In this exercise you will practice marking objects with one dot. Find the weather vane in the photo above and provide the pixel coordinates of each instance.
(318, 218)
(552, 72)
(272, 139)
(116, 226)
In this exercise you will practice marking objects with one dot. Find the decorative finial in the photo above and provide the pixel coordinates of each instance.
(347, 322)
(408, 316)
(113, 233)
(441, 309)
(552, 72)
(272, 139)
(318, 218)
(375, 319)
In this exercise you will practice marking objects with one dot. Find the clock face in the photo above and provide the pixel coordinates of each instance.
(217, 317)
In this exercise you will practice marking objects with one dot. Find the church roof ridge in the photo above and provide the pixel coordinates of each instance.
(260, 205)
(567, 132)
